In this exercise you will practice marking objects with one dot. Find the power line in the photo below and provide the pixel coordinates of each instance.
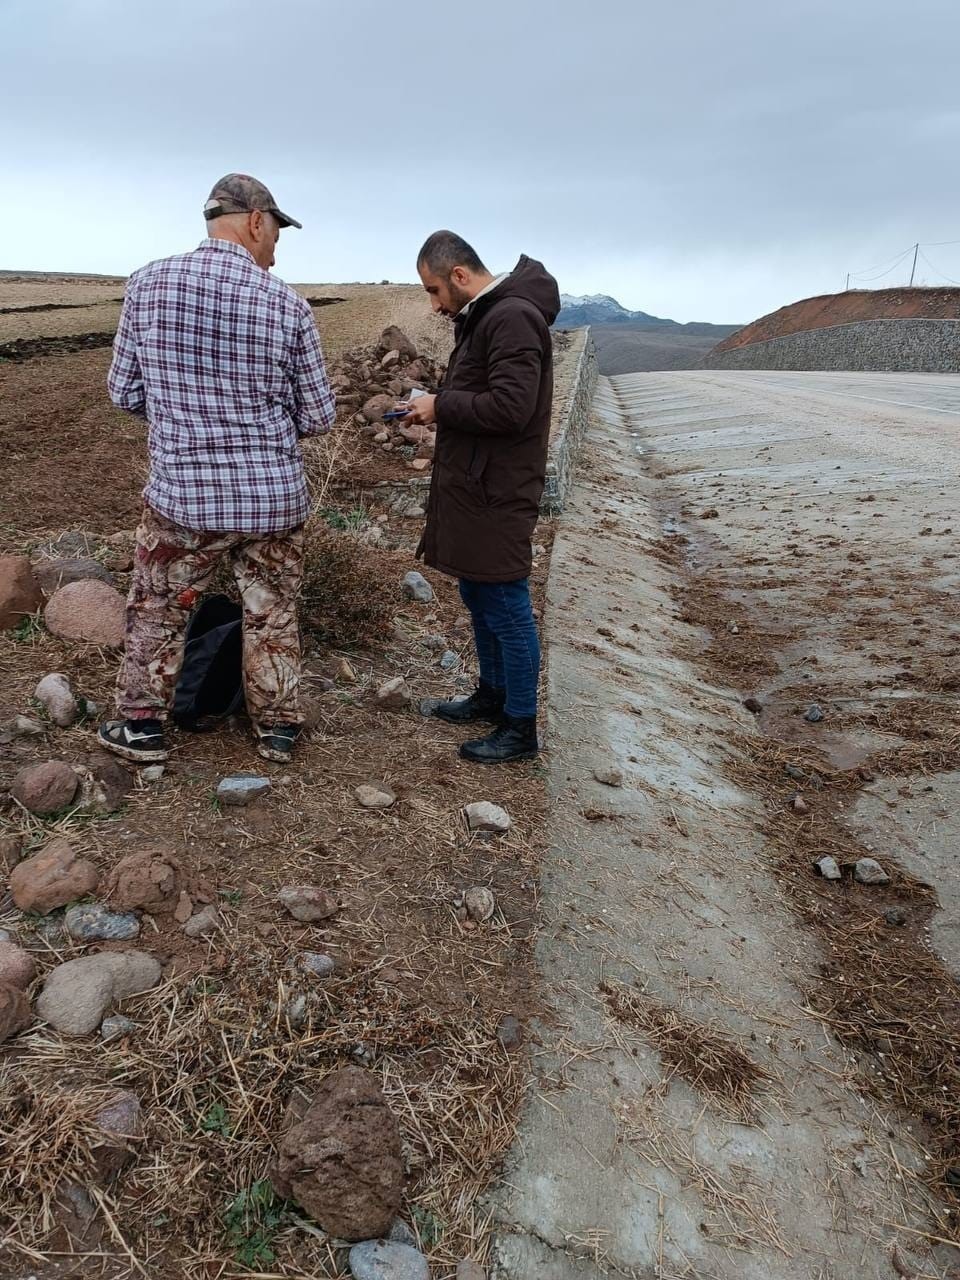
(935, 269)
(859, 276)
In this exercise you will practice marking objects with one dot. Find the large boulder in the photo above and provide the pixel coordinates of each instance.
(77, 994)
(52, 878)
(342, 1161)
(90, 611)
(20, 593)
(45, 788)
(374, 408)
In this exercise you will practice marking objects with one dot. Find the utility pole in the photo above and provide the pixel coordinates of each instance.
(847, 289)
(913, 269)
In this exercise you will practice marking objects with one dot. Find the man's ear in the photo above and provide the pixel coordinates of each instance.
(460, 276)
(256, 224)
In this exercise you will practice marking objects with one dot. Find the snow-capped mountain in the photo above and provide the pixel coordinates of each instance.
(600, 308)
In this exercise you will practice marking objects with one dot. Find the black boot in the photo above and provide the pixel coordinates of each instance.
(485, 703)
(516, 739)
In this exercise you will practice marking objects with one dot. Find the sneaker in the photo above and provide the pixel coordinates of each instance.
(485, 703)
(140, 740)
(515, 739)
(275, 742)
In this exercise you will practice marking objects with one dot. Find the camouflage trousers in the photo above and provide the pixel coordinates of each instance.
(171, 568)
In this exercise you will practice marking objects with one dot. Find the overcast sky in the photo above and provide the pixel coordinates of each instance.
(697, 159)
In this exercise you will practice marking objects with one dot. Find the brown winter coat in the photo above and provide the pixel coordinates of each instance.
(493, 424)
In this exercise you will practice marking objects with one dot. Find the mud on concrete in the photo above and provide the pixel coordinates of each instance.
(738, 537)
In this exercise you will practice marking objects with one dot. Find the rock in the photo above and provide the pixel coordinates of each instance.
(381, 437)
(344, 672)
(484, 816)
(151, 880)
(308, 903)
(54, 574)
(20, 593)
(869, 871)
(15, 1011)
(416, 587)
(116, 1025)
(95, 923)
(753, 705)
(387, 1260)
(317, 964)
(414, 512)
(510, 1033)
(895, 916)
(794, 771)
(52, 878)
(121, 1122)
(799, 805)
(427, 706)
(449, 660)
(20, 727)
(415, 433)
(184, 908)
(421, 464)
(76, 1226)
(78, 993)
(11, 851)
(152, 773)
(813, 714)
(468, 1270)
(105, 786)
(400, 1233)
(374, 408)
(733, 628)
(375, 797)
(242, 788)
(90, 611)
(609, 776)
(57, 699)
(390, 360)
(394, 339)
(45, 788)
(394, 695)
(203, 923)
(17, 968)
(828, 868)
(480, 903)
(342, 1162)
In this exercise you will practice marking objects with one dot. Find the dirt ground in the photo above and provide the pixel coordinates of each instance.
(223, 1047)
(843, 308)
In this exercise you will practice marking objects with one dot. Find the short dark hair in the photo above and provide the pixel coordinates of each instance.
(445, 250)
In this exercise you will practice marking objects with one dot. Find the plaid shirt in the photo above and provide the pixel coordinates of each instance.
(224, 362)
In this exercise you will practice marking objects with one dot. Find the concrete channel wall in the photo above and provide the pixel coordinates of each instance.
(870, 346)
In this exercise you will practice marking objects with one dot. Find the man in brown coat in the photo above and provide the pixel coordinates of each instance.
(493, 423)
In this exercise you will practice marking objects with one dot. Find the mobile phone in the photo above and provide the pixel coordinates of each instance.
(396, 413)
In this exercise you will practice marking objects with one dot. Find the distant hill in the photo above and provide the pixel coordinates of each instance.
(600, 308)
(635, 341)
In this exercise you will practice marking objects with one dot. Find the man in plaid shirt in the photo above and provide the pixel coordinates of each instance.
(224, 363)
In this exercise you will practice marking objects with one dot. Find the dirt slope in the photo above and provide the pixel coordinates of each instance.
(841, 308)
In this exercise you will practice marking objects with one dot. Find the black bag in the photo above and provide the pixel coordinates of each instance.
(210, 687)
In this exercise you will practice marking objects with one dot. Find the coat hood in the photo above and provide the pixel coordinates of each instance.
(531, 280)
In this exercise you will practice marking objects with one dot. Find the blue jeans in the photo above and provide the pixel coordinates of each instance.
(506, 638)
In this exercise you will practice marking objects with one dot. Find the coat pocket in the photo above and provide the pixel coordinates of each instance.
(477, 466)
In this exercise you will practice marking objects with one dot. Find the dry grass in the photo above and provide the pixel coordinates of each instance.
(347, 599)
(706, 1058)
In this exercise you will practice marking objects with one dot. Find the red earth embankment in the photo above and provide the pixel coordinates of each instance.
(843, 308)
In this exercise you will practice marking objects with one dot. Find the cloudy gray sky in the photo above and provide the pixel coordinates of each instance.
(695, 159)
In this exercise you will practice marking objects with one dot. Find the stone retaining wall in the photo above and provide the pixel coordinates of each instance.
(575, 380)
(869, 346)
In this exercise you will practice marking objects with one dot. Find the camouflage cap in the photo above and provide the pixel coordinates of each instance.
(239, 193)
